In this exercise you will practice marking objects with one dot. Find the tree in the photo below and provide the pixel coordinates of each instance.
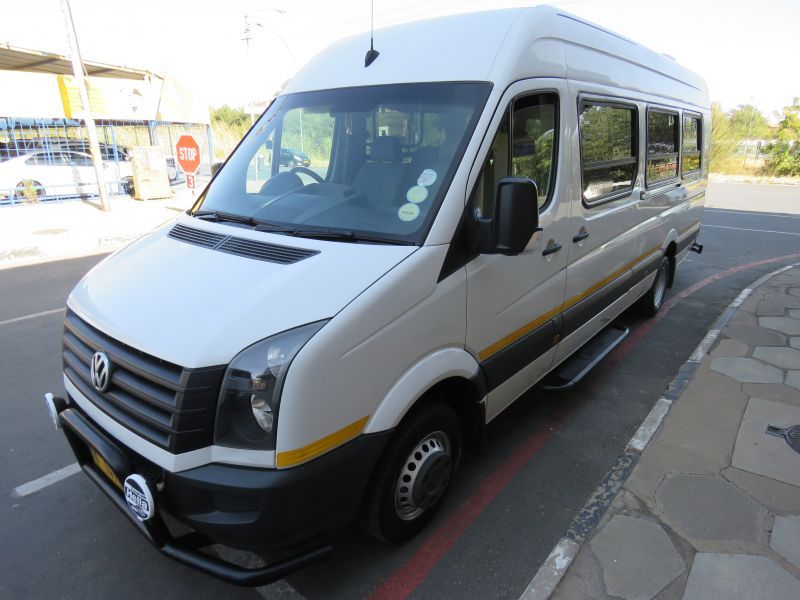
(783, 156)
(748, 123)
(235, 118)
(723, 138)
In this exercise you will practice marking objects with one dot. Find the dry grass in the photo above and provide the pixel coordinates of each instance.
(225, 139)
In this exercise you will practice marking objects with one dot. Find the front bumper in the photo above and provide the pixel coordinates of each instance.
(242, 507)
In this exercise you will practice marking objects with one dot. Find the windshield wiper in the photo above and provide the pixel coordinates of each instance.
(219, 217)
(256, 224)
(344, 236)
(320, 234)
(273, 227)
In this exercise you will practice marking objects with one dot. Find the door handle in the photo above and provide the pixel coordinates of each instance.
(552, 249)
(581, 236)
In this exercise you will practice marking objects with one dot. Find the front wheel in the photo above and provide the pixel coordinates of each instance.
(414, 474)
(649, 304)
(28, 191)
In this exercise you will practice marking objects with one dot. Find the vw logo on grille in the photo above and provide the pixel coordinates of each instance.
(100, 370)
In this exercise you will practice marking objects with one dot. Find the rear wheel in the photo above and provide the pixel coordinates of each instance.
(414, 474)
(649, 304)
(127, 186)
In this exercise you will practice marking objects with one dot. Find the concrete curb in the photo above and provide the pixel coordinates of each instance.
(552, 571)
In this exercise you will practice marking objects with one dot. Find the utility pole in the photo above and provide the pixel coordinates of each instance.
(88, 121)
(247, 35)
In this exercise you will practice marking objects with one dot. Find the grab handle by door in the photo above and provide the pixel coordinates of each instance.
(551, 249)
(581, 236)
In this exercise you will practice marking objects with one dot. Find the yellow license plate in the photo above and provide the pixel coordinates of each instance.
(105, 468)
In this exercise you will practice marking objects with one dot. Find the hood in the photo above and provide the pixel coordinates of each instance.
(198, 307)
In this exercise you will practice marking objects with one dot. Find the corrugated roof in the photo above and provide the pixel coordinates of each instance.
(21, 59)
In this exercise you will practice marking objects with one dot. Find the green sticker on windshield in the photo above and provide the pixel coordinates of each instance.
(408, 212)
(417, 194)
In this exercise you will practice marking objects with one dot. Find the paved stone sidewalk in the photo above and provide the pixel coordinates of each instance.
(712, 509)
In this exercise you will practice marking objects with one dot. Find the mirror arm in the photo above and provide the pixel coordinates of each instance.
(485, 231)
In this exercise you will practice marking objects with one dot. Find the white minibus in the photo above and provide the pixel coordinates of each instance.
(316, 344)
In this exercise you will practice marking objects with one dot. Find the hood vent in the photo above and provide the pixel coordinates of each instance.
(198, 237)
(284, 255)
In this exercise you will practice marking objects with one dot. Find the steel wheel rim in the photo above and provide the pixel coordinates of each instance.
(424, 477)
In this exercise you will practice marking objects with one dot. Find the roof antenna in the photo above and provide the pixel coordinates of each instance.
(372, 54)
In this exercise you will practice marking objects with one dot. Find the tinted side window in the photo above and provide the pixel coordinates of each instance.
(662, 146)
(495, 166)
(691, 149)
(52, 159)
(533, 141)
(75, 159)
(525, 145)
(608, 150)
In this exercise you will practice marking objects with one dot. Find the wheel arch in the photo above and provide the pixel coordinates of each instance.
(449, 374)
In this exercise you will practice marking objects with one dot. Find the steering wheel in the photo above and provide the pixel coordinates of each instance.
(306, 171)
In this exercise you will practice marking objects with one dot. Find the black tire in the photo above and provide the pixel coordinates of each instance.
(385, 516)
(19, 189)
(127, 186)
(649, 304)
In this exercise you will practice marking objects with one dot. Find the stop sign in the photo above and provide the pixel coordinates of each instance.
(188, 153)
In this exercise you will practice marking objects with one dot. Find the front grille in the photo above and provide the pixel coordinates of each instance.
(164, 403)
(284, 255)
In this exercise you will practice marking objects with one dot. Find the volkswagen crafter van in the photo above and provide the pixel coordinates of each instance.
(308, 346)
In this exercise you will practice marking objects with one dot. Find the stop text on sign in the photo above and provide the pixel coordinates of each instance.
(187, 154)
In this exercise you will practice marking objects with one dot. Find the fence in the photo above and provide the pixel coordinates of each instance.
(48, 159)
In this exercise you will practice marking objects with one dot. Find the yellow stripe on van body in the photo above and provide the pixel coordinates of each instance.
(515, 335)
(291, 458)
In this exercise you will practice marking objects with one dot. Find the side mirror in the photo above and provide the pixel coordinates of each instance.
(216, 167)
(515, 220)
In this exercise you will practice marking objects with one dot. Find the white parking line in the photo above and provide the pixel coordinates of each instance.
(26, 489)
(753, 213)
(746, 229)
(33, 316)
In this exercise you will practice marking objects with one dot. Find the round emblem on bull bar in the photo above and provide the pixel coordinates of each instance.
(100, 370)
(139, 497)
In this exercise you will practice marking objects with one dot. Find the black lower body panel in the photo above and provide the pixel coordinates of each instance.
(243, 507)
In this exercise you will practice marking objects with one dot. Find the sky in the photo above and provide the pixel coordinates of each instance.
(745, 49)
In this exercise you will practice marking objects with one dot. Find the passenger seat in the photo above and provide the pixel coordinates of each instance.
(380, 177)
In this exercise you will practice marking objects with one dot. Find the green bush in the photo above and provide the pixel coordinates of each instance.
(783, 156)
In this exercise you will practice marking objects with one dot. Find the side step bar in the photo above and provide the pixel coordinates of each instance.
(575, 368)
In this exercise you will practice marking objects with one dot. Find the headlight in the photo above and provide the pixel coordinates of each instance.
(247, 411)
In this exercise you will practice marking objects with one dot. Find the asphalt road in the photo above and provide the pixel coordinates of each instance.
(510, 503)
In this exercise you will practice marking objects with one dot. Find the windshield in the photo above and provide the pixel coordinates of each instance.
(367, 163)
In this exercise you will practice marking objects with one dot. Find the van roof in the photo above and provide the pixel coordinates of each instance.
(501, 46)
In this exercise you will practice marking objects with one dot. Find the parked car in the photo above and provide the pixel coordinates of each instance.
(291, 356)
(108, 152)
(50, 173)
(294, 158)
